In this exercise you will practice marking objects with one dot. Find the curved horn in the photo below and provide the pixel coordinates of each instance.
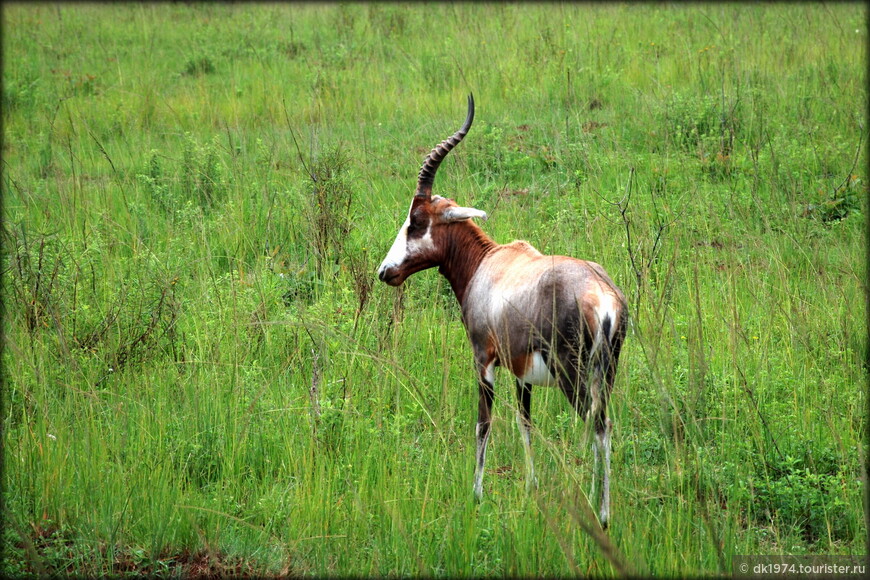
(437, 155)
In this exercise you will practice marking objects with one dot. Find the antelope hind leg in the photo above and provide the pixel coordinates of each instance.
(524, 422)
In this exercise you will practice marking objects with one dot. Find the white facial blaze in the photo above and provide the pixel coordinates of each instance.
(402, 247)
(397, 251)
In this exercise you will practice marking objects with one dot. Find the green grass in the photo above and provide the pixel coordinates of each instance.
(174, 284)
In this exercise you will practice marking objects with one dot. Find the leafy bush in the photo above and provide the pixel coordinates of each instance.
(811, 502)
(839, 203)
(805, 492)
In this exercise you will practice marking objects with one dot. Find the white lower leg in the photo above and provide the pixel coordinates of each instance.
(596, 468)
(525, 433)
(481, 461)
(602, 441)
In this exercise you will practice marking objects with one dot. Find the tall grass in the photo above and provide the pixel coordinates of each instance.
(201, 375)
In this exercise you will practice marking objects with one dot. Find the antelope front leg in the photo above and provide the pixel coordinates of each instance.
(484, 417)
(524, 422)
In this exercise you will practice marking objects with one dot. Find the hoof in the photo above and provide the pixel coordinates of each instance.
(532, 484)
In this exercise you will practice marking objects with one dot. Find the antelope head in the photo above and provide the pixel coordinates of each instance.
(422, 240)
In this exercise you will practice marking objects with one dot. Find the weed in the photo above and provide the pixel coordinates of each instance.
(158, 185)
(330, 207)
(361, 267)
(200, 65)
(200, 459)
(34, 276)
(291, 49)
(839, 203)
(202, 173)
(20, 93)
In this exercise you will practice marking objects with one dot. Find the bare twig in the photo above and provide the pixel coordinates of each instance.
(296, 143)
(314, 391)
(623, 209)
(102, 150)
(854, 163)
(641, 261)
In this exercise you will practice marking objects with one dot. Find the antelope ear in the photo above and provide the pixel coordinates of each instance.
(458, 214)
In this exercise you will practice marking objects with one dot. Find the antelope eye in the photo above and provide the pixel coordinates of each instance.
(415, 224)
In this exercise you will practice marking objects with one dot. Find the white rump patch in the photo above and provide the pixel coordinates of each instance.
(606, 309)
(537, 372)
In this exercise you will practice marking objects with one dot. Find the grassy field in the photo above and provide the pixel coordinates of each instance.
(202, 375)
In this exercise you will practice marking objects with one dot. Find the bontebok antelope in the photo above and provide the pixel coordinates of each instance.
(552, 320)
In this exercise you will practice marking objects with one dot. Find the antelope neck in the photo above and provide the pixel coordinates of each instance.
(467, 248)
